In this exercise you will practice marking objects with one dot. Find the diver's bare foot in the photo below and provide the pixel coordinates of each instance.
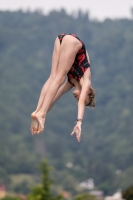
(41, 121)
(34, 124)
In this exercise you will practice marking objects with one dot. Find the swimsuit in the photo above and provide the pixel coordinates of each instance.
(80, 64)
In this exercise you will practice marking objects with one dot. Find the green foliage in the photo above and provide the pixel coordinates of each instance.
(85, 197)
(11, 198)
(128, 193)
(42, 192)
(21, 188)
(4, 179)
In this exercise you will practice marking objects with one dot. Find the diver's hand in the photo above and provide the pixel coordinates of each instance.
(77, 130)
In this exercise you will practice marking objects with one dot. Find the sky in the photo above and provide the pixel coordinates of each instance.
(98, 9)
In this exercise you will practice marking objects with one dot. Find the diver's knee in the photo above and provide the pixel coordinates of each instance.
(59, 79)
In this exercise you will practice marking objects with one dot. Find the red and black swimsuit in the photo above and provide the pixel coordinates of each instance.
(81, 62)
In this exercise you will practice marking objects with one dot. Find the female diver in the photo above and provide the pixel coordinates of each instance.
(70, 68)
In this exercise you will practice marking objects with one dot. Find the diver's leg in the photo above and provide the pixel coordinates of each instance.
(55, 59)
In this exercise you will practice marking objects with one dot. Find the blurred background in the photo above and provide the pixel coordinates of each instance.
(103, 161)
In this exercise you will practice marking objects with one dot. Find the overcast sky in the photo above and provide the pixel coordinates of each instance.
(99, 9)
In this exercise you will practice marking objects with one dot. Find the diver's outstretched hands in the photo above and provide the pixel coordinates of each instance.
(77, 130)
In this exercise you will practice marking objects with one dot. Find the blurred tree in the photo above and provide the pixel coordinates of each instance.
(42, 192)
(128, 193)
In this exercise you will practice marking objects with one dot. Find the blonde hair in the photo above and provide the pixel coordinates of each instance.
(91, 98)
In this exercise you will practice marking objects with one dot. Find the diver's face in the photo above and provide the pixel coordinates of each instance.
(76, 94)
